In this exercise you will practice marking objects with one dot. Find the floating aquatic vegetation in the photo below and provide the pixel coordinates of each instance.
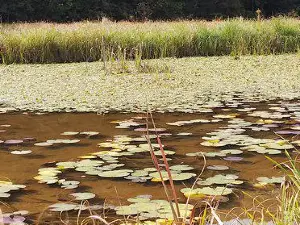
(261, 150)
(280, 145)
(61, 207)
(221, 153)
(83, 196)
(228, 116)
(218, 167)
(166, 152)
(214, 143)
(13, 142)
(184, 134)
(115, 173)
(140, 173)
(87, 157)
(273, 180)
(206, 191)
(89, 133)
(195, 121)
(48, 175)
(66, 165)
(5, 125)
(29, 139)
(287, 132)
(246, 109)
(6, 187)
(71, 184)
(74, 141)
(149, 209)
(126, 124)
(233, 158)
(181, 167)
(176, 176)
(112, 145)
(221, 179)
(43, 144)
(69, 133)
(21, 152)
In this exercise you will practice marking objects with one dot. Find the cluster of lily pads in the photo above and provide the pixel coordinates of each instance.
(57, 142)
(6, 187)
(195, 121)
(82, 133)
(144, 208)
(229, 142)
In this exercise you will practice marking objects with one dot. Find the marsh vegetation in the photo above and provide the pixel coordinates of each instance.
(93, 41)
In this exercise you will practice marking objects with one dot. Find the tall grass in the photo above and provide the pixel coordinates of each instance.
(92, 41)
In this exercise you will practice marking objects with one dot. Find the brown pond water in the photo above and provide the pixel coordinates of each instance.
(36, 197)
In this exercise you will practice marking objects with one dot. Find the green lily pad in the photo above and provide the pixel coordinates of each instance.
(166, 152)
(220, 179)
(4, 195)
(22, 152)
(72, 184)
(139, 173)
(89, 133)
(206, 191)
(69, 133)
(61, 207)
(272, 180)
(74, 141)
(115, 173)
(43, 144)
(218, 167)
(214, 143)
(66, 165)
(83, 196)
(175, 176)
(232, 151)
(181, 167)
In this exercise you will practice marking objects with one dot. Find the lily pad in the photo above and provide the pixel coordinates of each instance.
(218, 167)
(181, 167)
(90, 133)
(22, 152)
(83, 196)
(61, 207)
(220, 179)
(13, 142)
(175, 176)
(115, 173)
(69, 133)
(202, 192)
(233, 158)
(43, 144)
(272, 180)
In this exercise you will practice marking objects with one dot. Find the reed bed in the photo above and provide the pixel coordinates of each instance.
(105, 40)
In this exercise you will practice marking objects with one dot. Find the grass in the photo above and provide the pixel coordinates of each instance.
(92, 41)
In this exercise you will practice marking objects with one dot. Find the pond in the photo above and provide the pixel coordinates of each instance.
(105, 159)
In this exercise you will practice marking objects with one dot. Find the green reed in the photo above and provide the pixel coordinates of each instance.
(92, 41)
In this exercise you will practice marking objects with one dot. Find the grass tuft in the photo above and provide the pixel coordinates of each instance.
(93, 41)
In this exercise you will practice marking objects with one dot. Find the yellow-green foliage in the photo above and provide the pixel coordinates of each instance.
(91, 41)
